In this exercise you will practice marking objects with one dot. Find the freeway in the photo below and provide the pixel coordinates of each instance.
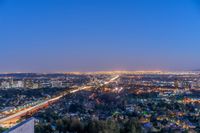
(27, 110)
(12, 119)
(111, 80)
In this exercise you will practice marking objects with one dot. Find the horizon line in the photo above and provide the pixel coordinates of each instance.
(108, 71)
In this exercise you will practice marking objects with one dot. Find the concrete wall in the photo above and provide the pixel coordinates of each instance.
(24, 127)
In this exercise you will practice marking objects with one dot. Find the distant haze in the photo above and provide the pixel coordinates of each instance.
(99, 35)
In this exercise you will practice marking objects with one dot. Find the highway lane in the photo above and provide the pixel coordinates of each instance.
(27, 110)
(21, 113)
(111, 80)
(24, 112)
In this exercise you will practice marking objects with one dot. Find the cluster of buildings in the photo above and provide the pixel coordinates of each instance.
(37, 82)
(11, 83)
(160, 102)
(154, 100)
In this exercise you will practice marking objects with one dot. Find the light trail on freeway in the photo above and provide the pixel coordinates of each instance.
(9, 119)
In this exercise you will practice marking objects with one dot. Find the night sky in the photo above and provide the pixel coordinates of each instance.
(98, 35)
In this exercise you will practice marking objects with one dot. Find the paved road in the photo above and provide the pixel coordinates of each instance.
(24, 112)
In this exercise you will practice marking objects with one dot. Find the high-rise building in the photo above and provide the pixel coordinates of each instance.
(176, 84)
(56, 83)
(28, 83)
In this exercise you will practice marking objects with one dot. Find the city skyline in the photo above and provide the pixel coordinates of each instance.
(66, 36)
(99, 66)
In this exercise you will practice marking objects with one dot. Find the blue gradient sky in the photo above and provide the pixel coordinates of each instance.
(93, 35)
